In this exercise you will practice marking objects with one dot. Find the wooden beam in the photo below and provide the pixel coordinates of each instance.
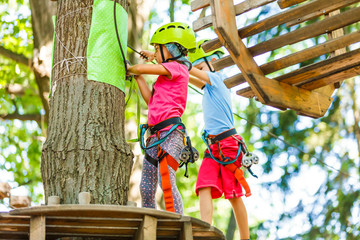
(288, 3)
(198, 4)
(306, 54)
(332, 79)
(37, 228)
(249, 5)
(202, 23)
(147, 229)
(240, 8)
(336, 6)
(291, 59)
(235, 80)
(310, 53)
(322, 69)
(312, 30)
(225, 28)
(246, 92)
(306, 102)
(320, 76)
(276, 20)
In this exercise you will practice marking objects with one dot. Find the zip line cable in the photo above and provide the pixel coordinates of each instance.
(278, 138)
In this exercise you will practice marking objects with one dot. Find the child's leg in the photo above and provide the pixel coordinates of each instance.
(173, 146)
(206, 205)
(178, 203)
(241, 216)
(148, 184)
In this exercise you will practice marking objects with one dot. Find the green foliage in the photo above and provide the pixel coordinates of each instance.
(20, 142)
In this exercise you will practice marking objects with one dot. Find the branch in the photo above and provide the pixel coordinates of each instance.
(16, 89)
(19, 58)
(23, 117)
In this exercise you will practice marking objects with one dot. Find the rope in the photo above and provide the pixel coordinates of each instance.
(284, 141)
(118, 38)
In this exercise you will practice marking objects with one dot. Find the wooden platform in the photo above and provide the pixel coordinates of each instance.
(309, 88)
(105, 221)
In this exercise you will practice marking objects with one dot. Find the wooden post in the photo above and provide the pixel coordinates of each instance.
(37, 228)
(147, 229)
(186, 233)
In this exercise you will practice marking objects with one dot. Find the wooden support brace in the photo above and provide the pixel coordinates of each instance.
(37, 228)
(225, 28)
(283, 95)
(147, 229)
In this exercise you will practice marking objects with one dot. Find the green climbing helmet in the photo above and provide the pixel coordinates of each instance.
(200, 53)
(175, 32)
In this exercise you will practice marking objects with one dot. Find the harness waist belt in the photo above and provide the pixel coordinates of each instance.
(222, 136)
(164, 124)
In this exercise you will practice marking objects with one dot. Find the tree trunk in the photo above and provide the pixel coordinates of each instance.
(42, 25)
(85, 149)
(139, 11)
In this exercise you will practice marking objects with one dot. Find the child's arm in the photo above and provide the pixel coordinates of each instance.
(197, 82)
(154, 69)
(144, 88)
(148, 56)
(200, 74)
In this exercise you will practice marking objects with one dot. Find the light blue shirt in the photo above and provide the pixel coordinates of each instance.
(216, 104)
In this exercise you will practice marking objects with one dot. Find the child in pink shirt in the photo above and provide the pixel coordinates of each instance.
(166, 103)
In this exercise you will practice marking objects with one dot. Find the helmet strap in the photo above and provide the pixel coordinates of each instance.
(173, 58)
(207, 63)
(162, 52)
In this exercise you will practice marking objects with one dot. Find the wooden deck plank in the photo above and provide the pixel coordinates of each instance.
(249, 5)
(333, 78)
(288, 3)
(245, 92)
(202, 23)
(322, 69)
(13, 235)
(94, 210)
(316, 75)
(225, 28)
(332, 23)
(276, 20)
(336, 6)
(240, 8)
(198, 4)
(112, 226)
(297, 57)
(294, 58)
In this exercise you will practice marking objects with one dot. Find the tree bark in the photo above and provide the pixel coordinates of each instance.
(42, 24)
(85, 149)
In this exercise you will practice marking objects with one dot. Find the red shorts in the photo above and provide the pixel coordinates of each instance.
(215, 175)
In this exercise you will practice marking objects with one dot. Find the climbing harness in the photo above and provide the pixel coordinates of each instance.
(247, 160)
(188, 154)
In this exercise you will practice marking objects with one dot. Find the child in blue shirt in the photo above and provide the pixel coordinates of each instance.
(216, 176)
